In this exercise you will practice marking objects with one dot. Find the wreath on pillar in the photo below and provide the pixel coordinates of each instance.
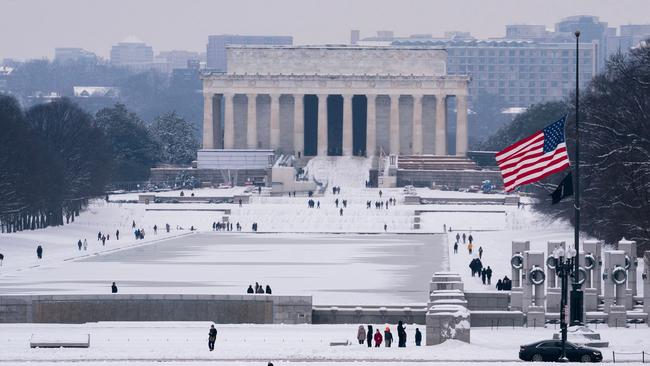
(619, 275)
(537, 276)
(551, 262)
(590, 261)
(517, 261)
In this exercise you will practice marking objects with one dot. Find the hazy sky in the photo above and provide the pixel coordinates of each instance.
(33, 28)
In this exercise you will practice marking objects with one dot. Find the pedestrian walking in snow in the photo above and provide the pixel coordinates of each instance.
(444, 228)
(388, 337)
(484, 276)
(103, 242)
(470, 238)
(318, 204)
(99, 236)
(418, 337)
(380, 193)
(369, 336)
(117, 235)
(499, 285)
(464, 238)
(212, 337)
(167, 227)
(488, 272)
(378, 338)
(385, 227)
(455, 247)
(108, 236)
(480, 252)
(470, 247)
(345, 203)
(341, 212)
(39, 252)
(361, 334)
(401, 334)
(133, 225)
(85, 243)
(155, 229)
(457, 236)
(113, 288)
(336, 202)
(79, 244)
(240, 202)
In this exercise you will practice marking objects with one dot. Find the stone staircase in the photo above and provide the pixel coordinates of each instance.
(434, 162)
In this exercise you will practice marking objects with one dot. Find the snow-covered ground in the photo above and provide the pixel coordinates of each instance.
(258, 344)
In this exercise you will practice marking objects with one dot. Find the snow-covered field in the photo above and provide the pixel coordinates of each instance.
(258, 344)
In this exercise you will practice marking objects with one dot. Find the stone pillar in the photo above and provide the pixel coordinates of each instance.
(251, 122)
(275, 122)
(394, 124)
(371, 125)
(228, 122)
(440, 147)
(646, 285)
(208, 122)
(417, 125)
(322, 124)
(298, 125)
(347, 124)
(461, 125)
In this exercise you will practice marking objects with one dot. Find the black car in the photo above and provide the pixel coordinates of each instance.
(551, 350)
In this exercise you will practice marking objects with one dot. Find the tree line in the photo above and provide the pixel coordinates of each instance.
(614, 150)
(54, 157)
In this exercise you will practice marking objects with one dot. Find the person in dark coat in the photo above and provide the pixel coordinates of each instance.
(117, 235)
(455, 247)
(418, 337)
(464, 237)
(480, 252)
(457, 237)
(369, 336)
(388, 337)
(39, 252)
(251, 291)
(488, 273)
(499, 285)
(113, 288)
(212, 337)
(268, 290)
(484, 276)
(79, 244)
(260, 290)
(470, 238)
(401, 335)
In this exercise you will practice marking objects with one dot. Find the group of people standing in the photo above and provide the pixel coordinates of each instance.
(259, 289)
(368, 336)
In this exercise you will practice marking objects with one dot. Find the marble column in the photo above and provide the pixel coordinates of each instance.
(371, 125)
(275, 122)
(417, 125)
(461, 125)
(347, 125)
(440, 146)
(208, 122)
(322, 124)
(228, 121)
(251, 122)
(394, 124)
(298, 125)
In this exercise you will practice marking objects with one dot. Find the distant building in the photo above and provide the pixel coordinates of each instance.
(5, 72)
(132, 53)
(178, 59)
(68, 54)
(216, 48)
(531, 68)
(95, 92)
(591, 30)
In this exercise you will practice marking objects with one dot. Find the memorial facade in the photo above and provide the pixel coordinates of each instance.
(334, 100)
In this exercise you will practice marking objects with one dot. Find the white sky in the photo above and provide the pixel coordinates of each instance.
(33, 28)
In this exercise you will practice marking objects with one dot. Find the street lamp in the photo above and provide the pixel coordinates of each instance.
(564, 270)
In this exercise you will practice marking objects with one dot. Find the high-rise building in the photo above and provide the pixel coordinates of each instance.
(216, 48)
(132, 53)
(591, 30)
(526, 31)
(70, 54)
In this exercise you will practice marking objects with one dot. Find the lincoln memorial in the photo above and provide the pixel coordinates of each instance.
(335, 100)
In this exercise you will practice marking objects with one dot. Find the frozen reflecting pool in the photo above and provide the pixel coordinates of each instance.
(336, 269)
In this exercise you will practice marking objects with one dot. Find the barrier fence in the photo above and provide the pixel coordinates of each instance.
(642, 355)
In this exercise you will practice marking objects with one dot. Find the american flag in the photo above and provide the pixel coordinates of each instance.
(535, 157)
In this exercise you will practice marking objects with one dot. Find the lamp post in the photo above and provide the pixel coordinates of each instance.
(577, 297)
(564, 269)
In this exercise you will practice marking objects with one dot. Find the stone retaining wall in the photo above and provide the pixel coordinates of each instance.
(368, 315)
(491, 301)
(225, 309)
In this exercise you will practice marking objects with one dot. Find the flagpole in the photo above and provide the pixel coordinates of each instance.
(576, 293)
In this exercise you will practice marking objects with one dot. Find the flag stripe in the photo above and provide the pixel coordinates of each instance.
(535, 157)
(529, 164)
(517, 146)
